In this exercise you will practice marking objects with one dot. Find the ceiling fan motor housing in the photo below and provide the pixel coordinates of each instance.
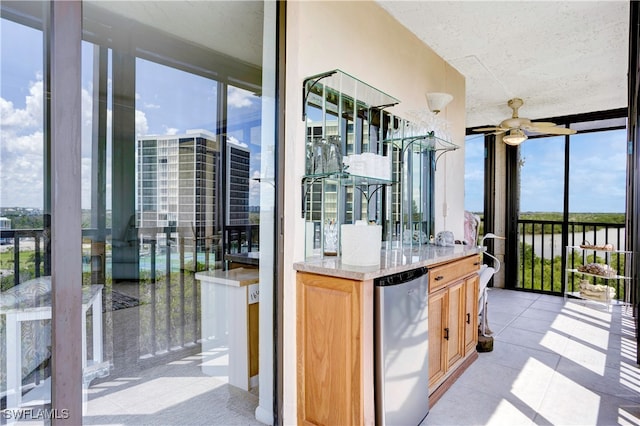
(513, 123)
(517, 126)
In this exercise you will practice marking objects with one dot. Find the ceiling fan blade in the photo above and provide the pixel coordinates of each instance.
(499, 132)
(551, 130)
(489, 129)
(543, 124)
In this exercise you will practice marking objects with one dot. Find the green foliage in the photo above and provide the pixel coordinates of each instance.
(21, 221)
(27, 267)
(536, 273)
(578, 222)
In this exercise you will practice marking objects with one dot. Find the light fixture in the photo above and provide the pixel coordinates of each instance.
(437, 101)
(515, 137)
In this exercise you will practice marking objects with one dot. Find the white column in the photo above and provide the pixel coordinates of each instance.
(264, 410)
(65, 36)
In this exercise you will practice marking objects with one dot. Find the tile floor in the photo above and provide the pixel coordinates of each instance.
(176, 393)
(553, 362)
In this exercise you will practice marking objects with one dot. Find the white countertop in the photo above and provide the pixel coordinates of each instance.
(391, 261)
(238, 277)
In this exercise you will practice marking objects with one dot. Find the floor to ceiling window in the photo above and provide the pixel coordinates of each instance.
(177, 197)
(571, 190)
(25, 321)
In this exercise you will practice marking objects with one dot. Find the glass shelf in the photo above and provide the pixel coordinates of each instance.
(612, 251)
(347, 179)
(426, 142)
(620, 283)
(606, 277)
(343, 83)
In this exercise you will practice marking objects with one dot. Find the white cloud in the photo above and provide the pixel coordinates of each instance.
(235, 141)
(28, 118)
(239, 98)
(22, 146)
(142, 127)
(21, 150)
(172, 131)
(21, 170)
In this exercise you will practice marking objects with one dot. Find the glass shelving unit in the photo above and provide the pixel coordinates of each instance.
(600, 273)
(350, 114)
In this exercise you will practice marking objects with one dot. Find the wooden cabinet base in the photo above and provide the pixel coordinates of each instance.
(437, 393)
(335, 351)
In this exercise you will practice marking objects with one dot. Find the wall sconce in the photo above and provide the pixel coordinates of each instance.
(437, 101)
(515, 137)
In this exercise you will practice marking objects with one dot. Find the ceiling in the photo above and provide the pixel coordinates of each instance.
(233, 28)
(560, 57)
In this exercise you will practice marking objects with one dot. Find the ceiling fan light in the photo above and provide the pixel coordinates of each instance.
(438, 101)
(515, 137)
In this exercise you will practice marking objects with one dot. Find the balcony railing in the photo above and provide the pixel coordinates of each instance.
(34, 260)
(541, 253)
(163, 287)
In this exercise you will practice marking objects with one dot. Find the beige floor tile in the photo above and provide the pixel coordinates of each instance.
(554, 362)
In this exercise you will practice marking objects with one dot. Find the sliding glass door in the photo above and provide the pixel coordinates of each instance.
(177, 189)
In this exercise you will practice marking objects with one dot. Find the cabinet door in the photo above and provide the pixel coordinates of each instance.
(330, 338)
(437, 324)
(471, 316)
(456, 316)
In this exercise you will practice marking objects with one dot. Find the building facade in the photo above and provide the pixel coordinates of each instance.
(237, 193)
(178, 182)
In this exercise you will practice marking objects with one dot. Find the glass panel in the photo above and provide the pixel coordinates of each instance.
(179, 183)
(542, 204)
(597, 182)
(474, 176)
(542, 175)
(25, 284)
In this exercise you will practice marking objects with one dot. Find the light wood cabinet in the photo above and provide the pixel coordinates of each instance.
(335, 340)
(471, 285)
(454, 324)
(438, 303)
(453, 317)
(335, 350)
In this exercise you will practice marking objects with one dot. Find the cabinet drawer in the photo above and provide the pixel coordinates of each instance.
(442, 275)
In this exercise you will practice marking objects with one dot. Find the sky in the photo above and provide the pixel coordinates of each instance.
(168, 101)
(597, 173)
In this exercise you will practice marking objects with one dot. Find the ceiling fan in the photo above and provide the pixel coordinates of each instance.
(517, 128)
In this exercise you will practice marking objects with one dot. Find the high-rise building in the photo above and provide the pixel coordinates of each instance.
(237, 206)
(177, 180)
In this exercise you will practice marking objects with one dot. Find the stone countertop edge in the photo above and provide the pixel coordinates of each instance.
(239, 277)
(392, 261)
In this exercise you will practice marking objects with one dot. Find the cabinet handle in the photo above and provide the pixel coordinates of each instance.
(439, 277)
(476, 263)
(468, 318)
(446, 333)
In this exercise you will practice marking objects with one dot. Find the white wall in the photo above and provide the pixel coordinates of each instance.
(361, 39)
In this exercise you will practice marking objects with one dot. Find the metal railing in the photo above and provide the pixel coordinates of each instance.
(164, 285)
(542, 253)
(242, 238)
(38, 261)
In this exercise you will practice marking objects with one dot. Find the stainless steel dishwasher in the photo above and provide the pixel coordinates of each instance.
(401, 348)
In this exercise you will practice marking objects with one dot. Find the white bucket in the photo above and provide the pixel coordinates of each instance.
(361, 244)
